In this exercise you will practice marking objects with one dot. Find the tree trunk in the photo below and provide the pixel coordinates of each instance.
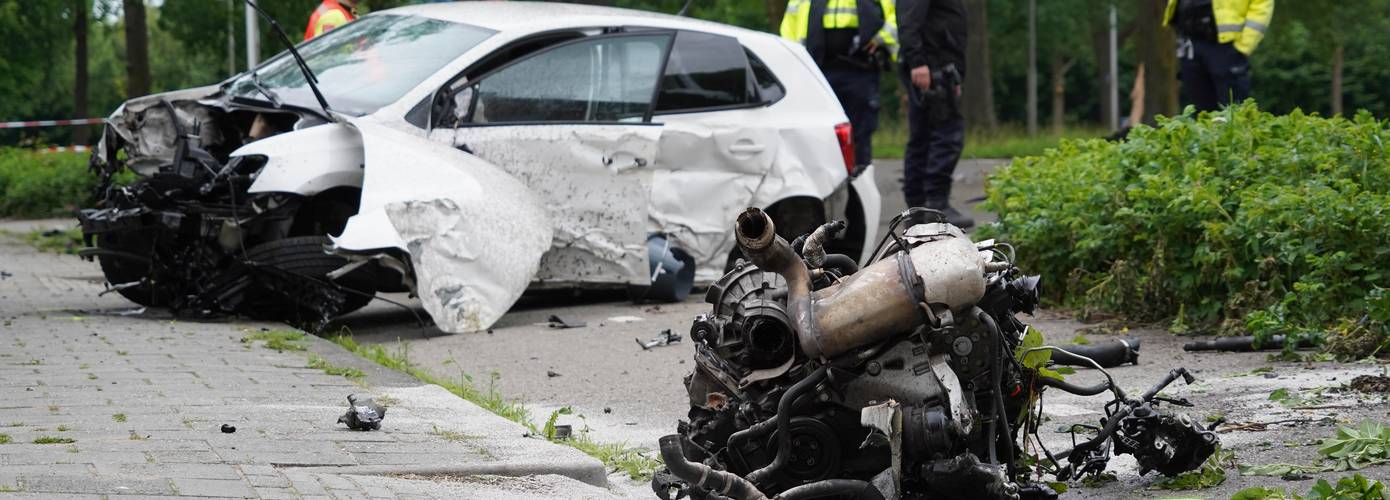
(1032, 80)
(80, 10)
(1060, 66)
(1338, 64)
(137, 49)
(977, 94)
(775, 10)
(1158, 54)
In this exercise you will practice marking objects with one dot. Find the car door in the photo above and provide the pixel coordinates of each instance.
(717, 145)
(573, 123)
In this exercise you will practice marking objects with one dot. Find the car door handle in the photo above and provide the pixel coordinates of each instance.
(745, 147)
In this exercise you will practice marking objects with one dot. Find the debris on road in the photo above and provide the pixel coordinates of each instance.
(363, 416)
(1108, 355)
(563, 322)
(1371, 383)
(551, 373)
(666, 337)
(624, 319)
(1243, 344)
(228, 428)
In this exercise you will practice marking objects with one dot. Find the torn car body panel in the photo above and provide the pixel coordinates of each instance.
(148, 126)
(595, 181)
(474, 233)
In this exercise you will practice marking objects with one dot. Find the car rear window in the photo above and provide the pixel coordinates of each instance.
(705, 71)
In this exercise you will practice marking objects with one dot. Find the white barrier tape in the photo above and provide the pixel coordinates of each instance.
(51, 123)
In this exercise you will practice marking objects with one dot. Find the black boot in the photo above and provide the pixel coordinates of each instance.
(955, 217)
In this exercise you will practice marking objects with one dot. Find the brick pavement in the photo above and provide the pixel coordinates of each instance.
(134, 402)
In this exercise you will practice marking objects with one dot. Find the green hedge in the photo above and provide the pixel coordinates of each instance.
(1237, 221)
(35, 184)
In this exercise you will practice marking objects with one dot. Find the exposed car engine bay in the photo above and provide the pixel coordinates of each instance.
(908, 378)
(187, 234)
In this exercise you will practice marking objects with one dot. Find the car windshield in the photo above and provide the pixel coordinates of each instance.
(366, 64)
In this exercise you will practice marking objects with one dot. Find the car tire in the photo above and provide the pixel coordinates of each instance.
(119, 270)
(304, 255)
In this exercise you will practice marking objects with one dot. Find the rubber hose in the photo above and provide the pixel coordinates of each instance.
(859, 490)
(1088, 390)
(1108, 355)
(703, 476)
(1000, 412)
(784, 424)
(844, 263)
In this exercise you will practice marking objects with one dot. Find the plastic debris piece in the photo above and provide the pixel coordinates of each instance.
(557, 321)
(666, 337)
(551, 374)
(365, 415)
(625, 319)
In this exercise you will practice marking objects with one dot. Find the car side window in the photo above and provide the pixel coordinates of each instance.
(769, 89)
(705, 71)
(604, 79)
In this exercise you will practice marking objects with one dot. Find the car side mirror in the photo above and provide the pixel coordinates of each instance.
(462, 105)
(453, 106)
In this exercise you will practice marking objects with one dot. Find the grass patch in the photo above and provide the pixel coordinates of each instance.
(279, 340)
(64, 428)
(54, 440)
(453, 436)
(637, 464)
(1005, 142)
(64, 241)
(318, 363)
(135, 436)
(5, 439)
(119, 417)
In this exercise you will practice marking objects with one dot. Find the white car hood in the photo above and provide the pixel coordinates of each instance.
(474, 233)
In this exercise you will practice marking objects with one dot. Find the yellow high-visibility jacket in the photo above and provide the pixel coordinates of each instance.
(1242, 22)
(839, 14)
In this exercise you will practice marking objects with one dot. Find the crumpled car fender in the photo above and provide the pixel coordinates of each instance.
(308, 161)
(475, 234)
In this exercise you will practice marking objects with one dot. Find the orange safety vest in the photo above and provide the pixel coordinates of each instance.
(329, 14)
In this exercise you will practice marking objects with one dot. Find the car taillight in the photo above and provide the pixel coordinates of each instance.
(845, 133)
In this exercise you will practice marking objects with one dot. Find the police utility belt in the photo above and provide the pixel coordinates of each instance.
(1197, 21)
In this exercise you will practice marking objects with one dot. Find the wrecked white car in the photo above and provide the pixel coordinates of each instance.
(465, 152)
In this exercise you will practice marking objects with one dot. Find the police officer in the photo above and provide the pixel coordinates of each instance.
(1215, 40)
(851, 41)
(932, 58)
(329, 14)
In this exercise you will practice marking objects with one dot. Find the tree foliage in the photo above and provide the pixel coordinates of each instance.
(1239, 220)
(188, 44)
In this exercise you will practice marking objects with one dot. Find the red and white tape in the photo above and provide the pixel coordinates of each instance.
(51, 123)
(64, 149)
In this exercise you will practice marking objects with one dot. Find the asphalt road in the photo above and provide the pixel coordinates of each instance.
(623, 392)
(620, 392)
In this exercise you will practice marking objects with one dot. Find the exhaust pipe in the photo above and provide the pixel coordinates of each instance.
(758, 240)
(879, 301)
